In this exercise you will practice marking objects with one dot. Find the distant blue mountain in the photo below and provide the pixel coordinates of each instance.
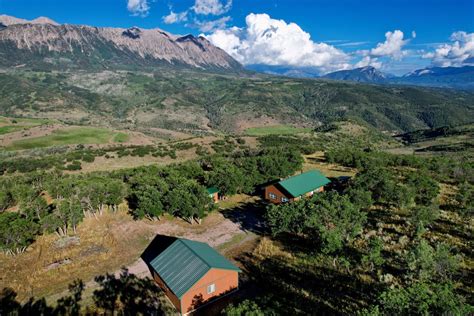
(449, 77)
(445, 77)
(363, 74)
(288, 71)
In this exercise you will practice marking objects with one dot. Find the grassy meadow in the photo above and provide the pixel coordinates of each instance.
(276, 130)
(70, 136)
(10, 125)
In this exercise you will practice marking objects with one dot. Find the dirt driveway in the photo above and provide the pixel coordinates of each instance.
(218, 230)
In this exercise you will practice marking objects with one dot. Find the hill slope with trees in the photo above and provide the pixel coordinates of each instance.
(197, 101)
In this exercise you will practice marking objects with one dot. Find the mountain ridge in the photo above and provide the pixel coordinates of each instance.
(42, 43)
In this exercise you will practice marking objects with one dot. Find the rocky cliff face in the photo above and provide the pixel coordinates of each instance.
(43, 41)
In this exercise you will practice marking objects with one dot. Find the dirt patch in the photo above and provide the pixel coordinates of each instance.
(66, 242)
(242, 123)
(136, 139)
(169, 134)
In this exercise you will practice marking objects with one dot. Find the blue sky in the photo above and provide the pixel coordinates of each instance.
(325, 35)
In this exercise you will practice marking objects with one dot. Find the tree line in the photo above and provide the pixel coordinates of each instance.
(51, 202)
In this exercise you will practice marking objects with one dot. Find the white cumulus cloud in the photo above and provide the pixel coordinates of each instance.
(457, 53)
(213, 7)
(174, 17)
(275, 42)
(369, 61)
(138, 7)
(392, 47)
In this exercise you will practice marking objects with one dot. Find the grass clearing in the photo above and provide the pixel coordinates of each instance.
(10, 125)
(276, 130)
(116, 163)
(70, 136)
(121, 138)
(10, 129)
(318, 161)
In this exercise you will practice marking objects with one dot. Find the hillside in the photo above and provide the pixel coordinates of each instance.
(200, 102)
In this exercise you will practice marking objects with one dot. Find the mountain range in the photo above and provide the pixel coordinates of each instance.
(444, 77)
(453, 77)
(43, 43)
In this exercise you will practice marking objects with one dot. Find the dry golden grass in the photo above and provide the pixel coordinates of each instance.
(234, 200)
(116, 163)
(268, 248)
(446, 193)
(106, 244)
(318, 161)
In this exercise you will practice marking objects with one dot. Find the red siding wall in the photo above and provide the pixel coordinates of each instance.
(225, 281)
(271, 189)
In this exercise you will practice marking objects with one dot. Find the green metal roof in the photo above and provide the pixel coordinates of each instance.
(185, 262)
(304, 183)
(212, 190)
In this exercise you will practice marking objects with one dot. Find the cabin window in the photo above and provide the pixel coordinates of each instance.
(272, 196)
(284, 199)
(211, 288)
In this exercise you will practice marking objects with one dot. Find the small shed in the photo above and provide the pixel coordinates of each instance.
(213, 194)
(296, 187)
(190, 273)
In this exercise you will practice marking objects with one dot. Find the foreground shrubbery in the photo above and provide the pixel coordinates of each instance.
(340, 236)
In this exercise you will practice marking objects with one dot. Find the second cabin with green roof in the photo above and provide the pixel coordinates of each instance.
(296, 187)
